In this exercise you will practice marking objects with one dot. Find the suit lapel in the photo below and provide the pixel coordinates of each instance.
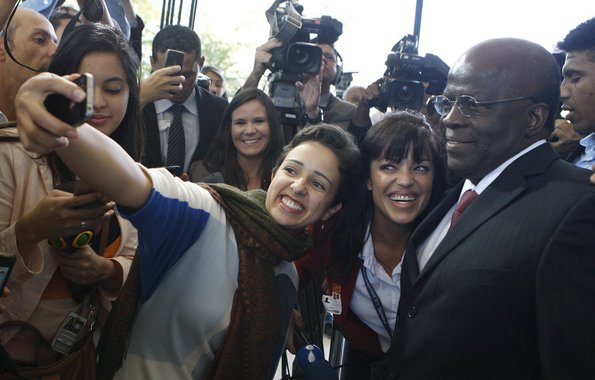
(153, 142)
(425, 228)
(507, 187)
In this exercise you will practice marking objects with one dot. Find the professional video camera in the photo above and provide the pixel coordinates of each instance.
(406, 71)
(297, 55)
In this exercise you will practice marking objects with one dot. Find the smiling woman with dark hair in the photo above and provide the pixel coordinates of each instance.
(247, 143)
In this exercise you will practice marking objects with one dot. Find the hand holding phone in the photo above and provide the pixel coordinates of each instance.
(174, 57)
(71, 112)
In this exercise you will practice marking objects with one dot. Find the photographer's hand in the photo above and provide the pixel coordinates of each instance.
(161, 84)
(262, 58)
(310, 94)
(85, 267)
(361, 118)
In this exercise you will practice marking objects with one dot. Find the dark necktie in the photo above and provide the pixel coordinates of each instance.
(468, 197)
(176, 143)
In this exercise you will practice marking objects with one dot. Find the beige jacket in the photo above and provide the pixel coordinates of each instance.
(24, 181)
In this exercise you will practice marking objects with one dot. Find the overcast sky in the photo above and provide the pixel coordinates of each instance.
(372, 27)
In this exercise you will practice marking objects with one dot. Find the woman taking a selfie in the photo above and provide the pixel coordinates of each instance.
(217, 285)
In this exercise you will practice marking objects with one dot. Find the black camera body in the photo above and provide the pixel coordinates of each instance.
(298, 55)
(409, 76)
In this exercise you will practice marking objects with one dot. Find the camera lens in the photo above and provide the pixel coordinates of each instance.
(405, 93)
(301, 56)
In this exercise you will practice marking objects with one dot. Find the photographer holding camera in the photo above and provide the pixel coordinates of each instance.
(302, 69)
(317, 101)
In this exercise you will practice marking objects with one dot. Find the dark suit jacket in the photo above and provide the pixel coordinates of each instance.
(510, 291)
(210, 111)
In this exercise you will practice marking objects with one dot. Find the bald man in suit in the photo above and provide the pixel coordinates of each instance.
(508, 292)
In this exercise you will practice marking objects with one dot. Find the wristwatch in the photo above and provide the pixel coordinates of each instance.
(317, 120)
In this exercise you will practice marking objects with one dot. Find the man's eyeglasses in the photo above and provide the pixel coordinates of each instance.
(467, 105)
(329, 57)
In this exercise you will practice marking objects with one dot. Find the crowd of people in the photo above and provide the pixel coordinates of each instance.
(175, 230)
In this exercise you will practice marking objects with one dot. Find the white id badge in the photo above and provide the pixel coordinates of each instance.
(66, 336)
(332, 303)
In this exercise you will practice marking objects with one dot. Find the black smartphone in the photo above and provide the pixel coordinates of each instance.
(6, 263)
(174, 57)
(92, 10)
(71, 112)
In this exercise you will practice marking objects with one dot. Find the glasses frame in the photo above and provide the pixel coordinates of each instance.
(439, 100)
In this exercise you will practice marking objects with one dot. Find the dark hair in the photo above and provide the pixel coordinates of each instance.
(176, 37)
(580, 38)
(92, 38)
(222, 154)
(342, 144)
(391, 139)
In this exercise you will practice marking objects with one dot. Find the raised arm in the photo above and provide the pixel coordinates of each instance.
(93, 156)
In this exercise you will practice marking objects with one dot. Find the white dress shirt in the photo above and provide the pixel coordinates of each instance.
(427, 248)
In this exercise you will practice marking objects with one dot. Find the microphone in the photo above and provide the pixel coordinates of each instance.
(310, 359)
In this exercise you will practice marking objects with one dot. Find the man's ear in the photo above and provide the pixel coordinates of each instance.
(201, 62)
(537, 115)
(153, 61)
(369, 184)
(332, 211)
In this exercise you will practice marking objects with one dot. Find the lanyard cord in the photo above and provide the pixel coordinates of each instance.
(376, 301)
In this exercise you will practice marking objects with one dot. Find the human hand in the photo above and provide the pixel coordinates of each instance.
(39, 130)
(593, 175)
(371, 93)
(84, 266)
(309, 91)
(61, 214)
(161, 84)
(263, 55)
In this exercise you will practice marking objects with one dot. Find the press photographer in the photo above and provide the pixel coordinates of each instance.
(302, 67)
(408, 82)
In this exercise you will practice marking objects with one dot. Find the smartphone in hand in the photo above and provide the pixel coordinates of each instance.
(174, 57)
(71, 112)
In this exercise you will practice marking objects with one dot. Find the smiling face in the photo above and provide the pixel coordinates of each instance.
(304, 186)
(250, 132)
(578, 90)
(400, 190)
(478, 144)
(110, 97)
